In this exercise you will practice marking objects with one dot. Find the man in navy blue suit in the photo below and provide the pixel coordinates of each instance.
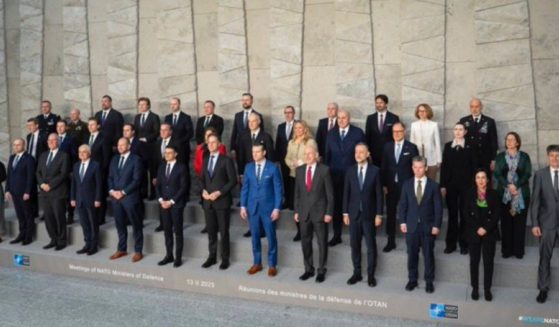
(22, 189)
(395, 170)
(111, 121)
(421, 215)
(173, 188)
(261, 197)
(86, 195)
(340, 147)
(67, 144)
(101, 152)
(240, 125)
(325, 125)
(129, 132)
(183, 130)
(363, 204)
(125, 176)
(378, 130)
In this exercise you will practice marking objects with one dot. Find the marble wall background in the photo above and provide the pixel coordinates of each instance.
(300, 52)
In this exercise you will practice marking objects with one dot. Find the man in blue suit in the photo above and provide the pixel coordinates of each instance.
(172, 187)
(362, 209)
(86, 195)
(395, 170)
(22, 190)
(340, 147)
(261, 197)
(421, 215)
(125, 176)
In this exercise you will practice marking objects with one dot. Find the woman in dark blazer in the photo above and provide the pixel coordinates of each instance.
(481, 214)
(512, 173)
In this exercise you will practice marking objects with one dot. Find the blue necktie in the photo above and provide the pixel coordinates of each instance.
(121, 163)
(361, 179)
(343, 135)
(258, 172)
(82, 172)
(211, 166)
(16, 161)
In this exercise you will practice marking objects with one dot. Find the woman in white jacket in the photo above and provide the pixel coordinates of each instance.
(425, 134)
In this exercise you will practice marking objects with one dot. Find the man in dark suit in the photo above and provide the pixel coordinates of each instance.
(129, 132)
(173, 188)
(340, 147)
(240, 125)
(111, 121)
(183, 131)
(101, 152)
(47, 120)
(68, 145)
(254, 135)
(210, 119)
(481, 135)
(125, 176)
(77, 128)
(313, 210)
(86, 193)
(395, 170)
(378, 130)
(218, 179)
(261, 196)
(166, 138)
(22, 190)
(421, 216)
(283, 135)
(147, 130)
(544, 212)
(362, 207)
(52, 177)
(325, 125)
(36, 142)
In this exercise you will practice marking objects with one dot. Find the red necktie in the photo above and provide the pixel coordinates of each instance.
(309, 179)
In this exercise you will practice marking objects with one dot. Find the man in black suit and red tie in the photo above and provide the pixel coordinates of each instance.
(325, 125)
(47, 120)
(283, 135)
(378, 130)
(173, 189)
(240, 125)
(481, 135)
(181, 124)
(111, 121)
(218, 179)
(147, 130)
(21, 188)
(209, 119)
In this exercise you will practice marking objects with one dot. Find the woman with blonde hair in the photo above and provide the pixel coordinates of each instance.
(296, 155)
(425, 134)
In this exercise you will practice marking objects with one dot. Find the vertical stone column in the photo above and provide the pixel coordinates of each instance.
(176, 59)
(4, 127)
(122, 47)
(232, 58)
(31, 57)
(286, 56)
(355, 83)
(98, 48)
(422, 37)
(77, 82)
(504, 69)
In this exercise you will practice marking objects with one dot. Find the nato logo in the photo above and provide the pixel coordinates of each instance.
(441, 311)
(21, 260)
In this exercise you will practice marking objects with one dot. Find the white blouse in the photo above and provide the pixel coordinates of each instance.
(425, 134)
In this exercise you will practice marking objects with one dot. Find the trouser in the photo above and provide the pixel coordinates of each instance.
(124, 212)
(320, 229)
(173, 224)
(25, 216)
(269, 226)
(484, 248)
(359, 228)
(55, 219)
(392, 200)
(455, 231)
(424, 239)
(547, 243)
(513, 231)
(217, 221)
(90, 226)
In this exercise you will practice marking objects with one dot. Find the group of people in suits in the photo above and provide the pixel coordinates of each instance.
(344, 175)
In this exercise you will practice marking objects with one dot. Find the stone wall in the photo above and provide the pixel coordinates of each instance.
(300, 52)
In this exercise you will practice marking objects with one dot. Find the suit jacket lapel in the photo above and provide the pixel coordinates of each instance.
(549, 182)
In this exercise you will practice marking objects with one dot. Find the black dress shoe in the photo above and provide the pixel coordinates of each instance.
(247, 234)
(204, 230)
(159, 228)
(92, 251)
(224, 264)
(475, 294)
(177, 263)
(83, 250)
(165, 261)
(371, 281)
(449, 250)
(17, 240)
(519, 256)
(297, 237)
(49, 246)
(209, 262)
(488, 295)
(26, 242)
(335, 241)
(70, 221)
(506, 255)
(1, 240)
(320, 277)
(464, 251)
(354, 279)
(542, 297)
(389, 247)
(59, 247)
(429, 288)
(411, 285)
(306, 275)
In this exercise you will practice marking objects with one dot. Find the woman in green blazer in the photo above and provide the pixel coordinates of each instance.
(513, 169)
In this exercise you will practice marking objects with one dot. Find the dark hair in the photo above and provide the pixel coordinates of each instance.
(552, 148)
(211, 102)
(174, 148)
(146, 99)
(461, 124)
(94, 119)
(63, 121)
(516, 136)
(481, 170)
(262, 145)
(290, 107)
(132, 127)
(33, 120)
(383, 97)
(246, 94)
(106, 96)
(47, 101)
(216, 136)
(210, 128)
